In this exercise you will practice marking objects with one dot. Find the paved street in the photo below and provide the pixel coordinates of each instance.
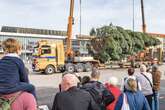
(47, 84)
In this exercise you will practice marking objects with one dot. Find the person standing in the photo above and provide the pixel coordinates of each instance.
(146, 82)
(112, 87)
(71, 97)
(131, 73)
(132, 98)
(154, 62)
(100, 94)
(156, 75)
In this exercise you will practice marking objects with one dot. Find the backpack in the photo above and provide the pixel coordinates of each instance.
(99, 93)
(95, 92)
(5, 104)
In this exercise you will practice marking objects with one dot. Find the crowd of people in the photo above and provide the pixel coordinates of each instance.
(138, 91)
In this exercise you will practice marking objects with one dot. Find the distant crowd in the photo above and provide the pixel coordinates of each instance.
(138, 90)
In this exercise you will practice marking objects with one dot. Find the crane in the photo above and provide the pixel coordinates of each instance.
(69, 51)
(143, 17)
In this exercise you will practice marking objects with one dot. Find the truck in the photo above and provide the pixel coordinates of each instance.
(49, 57)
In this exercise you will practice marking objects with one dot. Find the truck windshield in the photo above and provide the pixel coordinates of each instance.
(46, 49)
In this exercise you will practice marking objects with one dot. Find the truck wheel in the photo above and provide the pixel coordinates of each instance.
(61, 69)
(88, 67)
(79, 67)
(121, 65)
(49, 69)
(69, 68)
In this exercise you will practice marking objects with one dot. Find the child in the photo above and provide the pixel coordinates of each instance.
(13, 75)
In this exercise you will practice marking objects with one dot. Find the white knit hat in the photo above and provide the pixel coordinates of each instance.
(113, 80)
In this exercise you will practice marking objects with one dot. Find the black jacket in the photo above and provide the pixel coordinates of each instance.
(74, 99)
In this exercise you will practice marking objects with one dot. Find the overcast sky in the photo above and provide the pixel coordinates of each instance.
(53, 14)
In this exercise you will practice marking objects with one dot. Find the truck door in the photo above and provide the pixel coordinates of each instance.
(60, 54)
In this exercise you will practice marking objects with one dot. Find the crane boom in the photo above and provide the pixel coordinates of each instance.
(143, 17)
(69, 51)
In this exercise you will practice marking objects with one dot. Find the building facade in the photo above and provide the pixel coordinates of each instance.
(28, 41)
(29, 37)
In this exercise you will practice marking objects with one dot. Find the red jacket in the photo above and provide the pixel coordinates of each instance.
(116, 92)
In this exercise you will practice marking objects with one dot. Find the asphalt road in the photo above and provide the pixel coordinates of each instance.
(47, 85)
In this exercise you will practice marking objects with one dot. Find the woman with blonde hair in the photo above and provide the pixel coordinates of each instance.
(132, 98)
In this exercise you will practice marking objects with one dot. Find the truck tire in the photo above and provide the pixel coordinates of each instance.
(79, 67)
(49, 69)
(70, 67)
(88, 67)
(61, 69)
(121, 65)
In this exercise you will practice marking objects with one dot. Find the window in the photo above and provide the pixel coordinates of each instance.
(35, 51)
(46, 49)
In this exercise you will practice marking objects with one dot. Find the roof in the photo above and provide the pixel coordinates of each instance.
(159, 35)
(31, 35)
(33, 31)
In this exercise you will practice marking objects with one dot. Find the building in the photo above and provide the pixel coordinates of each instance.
(28, 41)
(84, 40)
(161, 37)
(29, 38)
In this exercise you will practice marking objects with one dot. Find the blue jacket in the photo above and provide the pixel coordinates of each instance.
(136, 101)
(13, 76)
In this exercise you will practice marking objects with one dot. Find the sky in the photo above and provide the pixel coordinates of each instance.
(53, 14)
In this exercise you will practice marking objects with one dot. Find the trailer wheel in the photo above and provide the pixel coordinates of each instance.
(88, 67)
(121, 65)
(49, 69)
(70, 68)
(79, 67)
(137, 65)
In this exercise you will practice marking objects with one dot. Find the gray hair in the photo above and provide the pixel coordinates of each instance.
(155, 68)
(143, 68)
(71, 79)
